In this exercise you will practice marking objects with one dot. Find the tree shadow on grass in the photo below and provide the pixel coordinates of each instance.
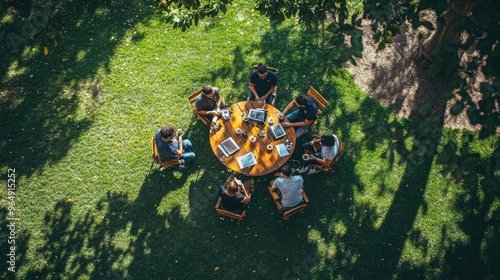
(48, 102)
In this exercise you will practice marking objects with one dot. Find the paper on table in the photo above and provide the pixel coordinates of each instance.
(246, 160)
(282, 151)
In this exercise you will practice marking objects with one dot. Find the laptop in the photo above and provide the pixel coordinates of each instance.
(277, 131)
(228, 147)
(258, 115)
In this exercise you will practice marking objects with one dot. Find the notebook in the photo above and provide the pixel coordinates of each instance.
(258, 115)
(282, 151)
(277, 131)
(228, 147)
(246, 160)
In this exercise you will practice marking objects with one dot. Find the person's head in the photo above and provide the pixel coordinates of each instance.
(207, 90)
(286, 170)
(167, 131)
(328, 140)
(232, 188)
(262, 70)
(301, 100)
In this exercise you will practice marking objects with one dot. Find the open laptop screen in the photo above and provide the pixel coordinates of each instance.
(257, 115)
(228, 147)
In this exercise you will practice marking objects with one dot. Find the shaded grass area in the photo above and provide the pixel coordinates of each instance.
(78, 125)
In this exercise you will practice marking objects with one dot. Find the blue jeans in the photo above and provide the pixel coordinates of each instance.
(294, 117)
(188, 154)
(308, 146)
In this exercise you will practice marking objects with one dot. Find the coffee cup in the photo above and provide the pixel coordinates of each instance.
(262, 133)
(253, 139)
(270, 147)
(238, 131)
(305, 157)
(270, 120)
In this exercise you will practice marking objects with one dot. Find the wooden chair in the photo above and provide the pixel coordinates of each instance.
(320, 101)
(328, 168)
(288, 212)
(275, 70)
(192, 99)
(227, 213)
(156, 157)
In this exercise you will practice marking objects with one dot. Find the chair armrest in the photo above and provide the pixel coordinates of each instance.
(274, 194)
(219, 201)
(304, 197)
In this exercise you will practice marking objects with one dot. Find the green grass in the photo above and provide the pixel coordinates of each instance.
(77, 126)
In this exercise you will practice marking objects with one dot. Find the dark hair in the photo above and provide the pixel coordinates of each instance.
(286, 169)
(207, 89)
(261, 68)
(328, 140)
(301, 100)
(167, 131)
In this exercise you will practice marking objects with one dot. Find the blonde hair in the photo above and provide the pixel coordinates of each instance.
(232, 188)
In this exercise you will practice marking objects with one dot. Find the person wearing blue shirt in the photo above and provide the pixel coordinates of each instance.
(170, 148)
(302, 118)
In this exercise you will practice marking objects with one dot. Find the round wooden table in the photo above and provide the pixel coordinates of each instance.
(267, 160)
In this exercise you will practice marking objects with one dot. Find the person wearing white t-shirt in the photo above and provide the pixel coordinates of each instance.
(288, 187)
(329, 149)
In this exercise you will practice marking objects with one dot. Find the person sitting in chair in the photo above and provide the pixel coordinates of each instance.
(288, 187)
(302, 118)
(209, 102)
(324, 149)
(263, 84)
(235, 194)
(170, 148)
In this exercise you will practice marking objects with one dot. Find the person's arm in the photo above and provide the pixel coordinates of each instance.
(271, 90)
(287, 108)
(245, 193)
(304, 123)
(253, 90)
(321, 160)
(205, 112)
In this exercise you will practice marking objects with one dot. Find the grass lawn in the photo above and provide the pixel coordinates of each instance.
(77, 126)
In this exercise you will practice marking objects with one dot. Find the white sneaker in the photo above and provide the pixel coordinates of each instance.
(303, 169)
(313, 170)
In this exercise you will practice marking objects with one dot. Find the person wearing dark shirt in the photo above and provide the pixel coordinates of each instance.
(209, 102)
(234, 194)
(302, 118)
(170, 148)
(263, 84)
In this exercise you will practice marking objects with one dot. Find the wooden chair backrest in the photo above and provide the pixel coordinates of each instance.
(289, 212)
(192, 99)
(335, 159)
(296, 209)
(193, 96)
(229, 214)
(319, 99)
(156, 157)
(275, 70)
